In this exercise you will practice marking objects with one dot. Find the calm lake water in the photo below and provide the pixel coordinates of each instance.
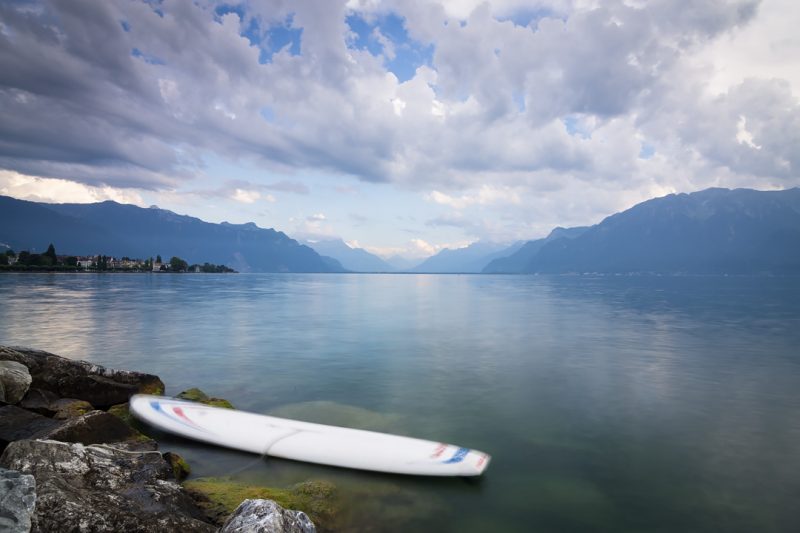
(608, 404)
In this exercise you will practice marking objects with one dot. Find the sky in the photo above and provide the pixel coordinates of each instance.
(400, 126)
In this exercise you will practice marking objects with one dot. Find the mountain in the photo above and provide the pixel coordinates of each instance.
(398, 262)
(517, 262)
(716, 231)
(116, 229)
(355, 259)
(473, 258)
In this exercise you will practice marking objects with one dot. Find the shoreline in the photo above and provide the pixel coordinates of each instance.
(72, 454)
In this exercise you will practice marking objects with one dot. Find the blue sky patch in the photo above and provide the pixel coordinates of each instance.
(285, 34)
(409, 54)
(529, 16)
(267, 114)
(147, 58)
(647, 151)
(576, 126)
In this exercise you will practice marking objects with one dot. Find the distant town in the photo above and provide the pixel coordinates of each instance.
(50, 261)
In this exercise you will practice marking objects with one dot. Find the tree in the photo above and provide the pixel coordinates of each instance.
(158, 259)
(3, 259)
(177, 264)
(24, 257)
(72, 261)
(51, 253)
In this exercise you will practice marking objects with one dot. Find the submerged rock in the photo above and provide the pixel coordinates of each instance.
(14, 381)
(102, 489)
(196, 395)
(266, 516)
(100, 386)
(17, 501)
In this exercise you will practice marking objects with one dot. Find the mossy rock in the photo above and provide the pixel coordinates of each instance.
(155, 387)
(70, 408)
(220, 496)
(122, 412)
(180, 468)
(196, 395)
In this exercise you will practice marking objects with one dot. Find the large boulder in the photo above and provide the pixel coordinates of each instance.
(266, 516)
(40, 401)
(18, 424)
(14, 381)
(17, 501)
(100, 386)
(100, 489)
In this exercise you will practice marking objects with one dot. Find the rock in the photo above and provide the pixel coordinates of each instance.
(70, 408)
(196, 395)
(14, 381)
(122, 412)
(101, 489)
(40, 401)
(100, 386)
(17, 424)
(99, 427)
(266, 516)
(17, 501)
(47, 403)
(180, 468)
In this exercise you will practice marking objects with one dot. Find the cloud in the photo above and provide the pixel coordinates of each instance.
(486, 195)
(249, 197)
(50, 190)
(500, 106)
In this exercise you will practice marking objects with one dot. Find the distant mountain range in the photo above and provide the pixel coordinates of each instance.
(471, 259)
(517, 262)
(353, 259)
(716, 231)
(115, 229)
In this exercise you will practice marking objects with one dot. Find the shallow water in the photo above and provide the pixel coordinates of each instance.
(608, 404)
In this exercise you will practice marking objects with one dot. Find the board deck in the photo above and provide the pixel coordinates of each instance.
(306, 441)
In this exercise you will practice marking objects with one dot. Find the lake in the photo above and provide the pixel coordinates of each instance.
(607, 403)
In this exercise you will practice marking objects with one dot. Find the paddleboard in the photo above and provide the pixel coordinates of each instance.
(306, 441)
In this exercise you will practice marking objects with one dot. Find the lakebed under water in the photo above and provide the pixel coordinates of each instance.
(607, 403)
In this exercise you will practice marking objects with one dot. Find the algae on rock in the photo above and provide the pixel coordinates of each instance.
(196, 395)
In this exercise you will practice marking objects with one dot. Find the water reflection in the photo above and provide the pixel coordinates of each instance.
(607, 403)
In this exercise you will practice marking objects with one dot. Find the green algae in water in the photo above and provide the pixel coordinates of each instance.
(318, 499)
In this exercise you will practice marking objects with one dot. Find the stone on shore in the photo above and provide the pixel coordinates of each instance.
(102, 387)
(180, 468)
(14, 381)
(266, 516)
(17, 501)
(99, 427)
(99, 488)
(17, 424)
(40, 401)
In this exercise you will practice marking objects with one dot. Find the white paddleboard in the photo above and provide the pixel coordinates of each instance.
(305, 441)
